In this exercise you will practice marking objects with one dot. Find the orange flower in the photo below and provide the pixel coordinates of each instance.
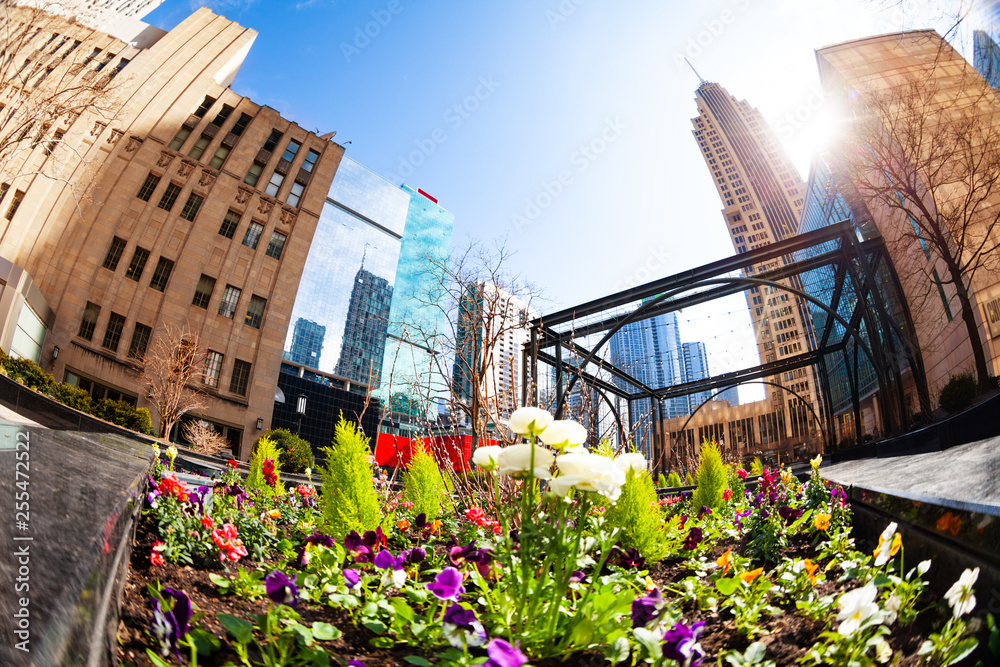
(274, 514)
(897, 542)
(748, 577)
(949, 523)
(403, 525)
(725, 560)
(435, 525)
(822, 521)
(650, 586)
(811, 568)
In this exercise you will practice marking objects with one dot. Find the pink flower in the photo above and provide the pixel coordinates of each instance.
(155, 557)
(727, 494)
(407, 505)
(742, 473)
(230, 546)
(207, 522)
(476, 516)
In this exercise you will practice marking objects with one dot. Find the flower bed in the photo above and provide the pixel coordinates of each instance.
(550, 553)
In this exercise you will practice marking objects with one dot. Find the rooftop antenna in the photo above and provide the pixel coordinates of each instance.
(701, 80)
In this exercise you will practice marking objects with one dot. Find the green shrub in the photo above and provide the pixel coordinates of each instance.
(735, 483)
(124, 414)
(959, 393)
(296, 453)
(350, 501)
(72, 396)
(756, 468)
(264, 448)
(423, 484)
(637, 516)
(28, 373)
(711, 477)
(673, 479)
(688, 480)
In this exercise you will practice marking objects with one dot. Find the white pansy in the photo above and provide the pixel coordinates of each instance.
(529, 421)
(588, 472)
(856, 607)
(633, 461)
(576, 449)
(486, 457)
(960, 595)
(564, 433)
(891, 609)
(883, 552)
(923, 567)
(516, 460)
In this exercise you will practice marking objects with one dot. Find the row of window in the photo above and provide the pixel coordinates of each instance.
(140, 256)
(230, 300)
(169, 197)
(15, 203)
(252, 235)
(140, 342)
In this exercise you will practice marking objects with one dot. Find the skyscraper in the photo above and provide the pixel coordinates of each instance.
(365, 329)
(307, 343)
(762, 197)
(696, 368)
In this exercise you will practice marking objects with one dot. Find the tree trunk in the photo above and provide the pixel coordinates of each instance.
(969, 317)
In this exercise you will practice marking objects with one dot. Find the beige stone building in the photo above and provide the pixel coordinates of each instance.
(881, 72)
(158, 198)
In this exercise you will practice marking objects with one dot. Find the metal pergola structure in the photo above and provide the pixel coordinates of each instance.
(849, 287)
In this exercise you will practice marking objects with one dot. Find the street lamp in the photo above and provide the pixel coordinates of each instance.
(300, 409)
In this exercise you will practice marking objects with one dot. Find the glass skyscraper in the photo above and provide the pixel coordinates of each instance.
(341, 310)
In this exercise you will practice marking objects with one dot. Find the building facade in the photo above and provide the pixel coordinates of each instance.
(162, 200)
(762, 196)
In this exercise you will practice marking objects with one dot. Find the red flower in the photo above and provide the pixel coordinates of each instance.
(270, 476)
(207, 522)
(171, 486)
(727, 494)
(230, 546)
(155, 557)
(232, 464)
(476, 516)
(742, 473)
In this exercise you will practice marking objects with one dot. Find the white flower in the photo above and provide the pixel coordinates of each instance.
(459, 637)
(856, 607)
(815, 463)
(923, 567)
(884, 550)
(633, 461)
(588, 472)
(309, 473)
(564, 433)
(891, 609)
(171, 452)
(486, 457)
(156, 451)
(529, 421)
(516, 460)
(960, 595)
(393, 578)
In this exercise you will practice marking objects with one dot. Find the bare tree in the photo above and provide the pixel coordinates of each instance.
(929, 156)
(204, 438)
(170, 371)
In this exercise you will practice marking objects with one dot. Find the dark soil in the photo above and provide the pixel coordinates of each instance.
(789, 635)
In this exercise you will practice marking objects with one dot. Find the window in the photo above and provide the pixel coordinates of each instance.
(223, 114)
(14, 205)
(276, 244)
(114, 254)
(310, 160)
(119, 67)
(241, 124)
(146, 191)
(229, 224)
(104, 63)
(162, 274)
(253, 175)
(88, 59)
(137, 264)
(113, 334)
(252, 235)
(274, 184)
(213, 367)
(49, 147)
(89, 321)
(140, 340)
(3, 190)
(180, 138)
(169, 196)
(199, 147)
(272, 141)
(255, 312)
(205, 106)
(241, 377)
(221, 153)
(203, 293)
(295, 194)
(291, 151)
(192, 206)
(227, 307)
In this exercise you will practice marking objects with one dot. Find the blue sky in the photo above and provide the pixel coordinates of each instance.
(560, 124)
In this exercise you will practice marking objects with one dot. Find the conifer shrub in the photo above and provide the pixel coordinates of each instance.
(637, 516)
(756, 468)
(350, 501)
(688, 479)
(711, 479)
(72, 396)
(958, 393)
(296, 453)
(28, 373)
(262, 476)
(423, 484)
(673, 479)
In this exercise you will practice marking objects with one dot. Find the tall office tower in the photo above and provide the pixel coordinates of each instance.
(412, 381)
(762, 196)
(307, 343)
(365, 330)
(696, 368)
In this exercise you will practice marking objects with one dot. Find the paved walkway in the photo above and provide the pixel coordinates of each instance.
(966, 477)
(8, 415)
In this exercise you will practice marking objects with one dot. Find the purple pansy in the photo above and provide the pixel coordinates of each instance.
(447, 585)
(693, 538)
(169, 626)
(384, 560)
(352, 577)
(461, 628)
(646, 609)
(502, 654)
(356, 548)
(281, 589)
(681, 644)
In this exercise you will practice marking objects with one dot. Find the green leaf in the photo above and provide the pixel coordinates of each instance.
(325, 632)
(219, 580)
(962, 649)
(382, 642)
(204, 642)
(417, 660)
(727, 586)
(302, 631)
(755, 653)
(310, 581)
(418, 629)
(237, 627)
(881, 581)
(378, 627)
(582, 634)
(402, 609)
(156, 660)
